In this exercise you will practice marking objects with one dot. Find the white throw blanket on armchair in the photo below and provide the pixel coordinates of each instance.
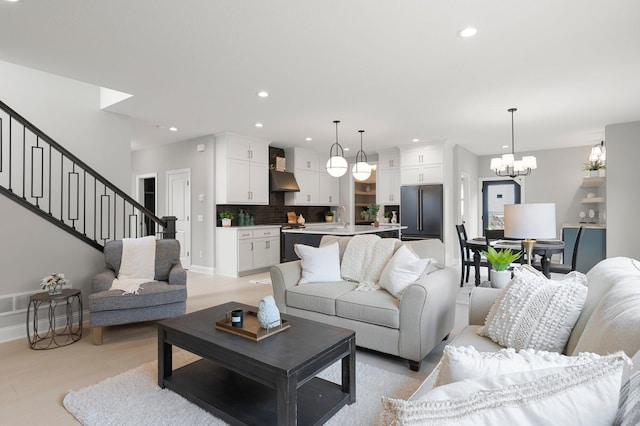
(137, 266)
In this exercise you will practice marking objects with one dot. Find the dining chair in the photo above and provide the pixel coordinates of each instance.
(561, 268)
(466, 260)
(493, 234)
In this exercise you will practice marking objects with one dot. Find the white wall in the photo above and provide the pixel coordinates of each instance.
(184, 155)
(623, 192)
(68, 111)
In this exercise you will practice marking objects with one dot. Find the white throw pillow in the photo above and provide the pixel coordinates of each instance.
(465, 362)
(319, 264)
(534, 312)
(578, 394)
(404, 268)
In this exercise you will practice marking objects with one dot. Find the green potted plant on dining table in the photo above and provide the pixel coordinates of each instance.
(500, 260)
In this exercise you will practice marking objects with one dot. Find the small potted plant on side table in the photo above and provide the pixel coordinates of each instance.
(226, 218)
(328, 216)
(500, 260)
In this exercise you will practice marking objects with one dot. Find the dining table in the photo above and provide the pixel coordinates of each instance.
(543, 248)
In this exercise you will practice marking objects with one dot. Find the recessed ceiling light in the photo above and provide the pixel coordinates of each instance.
(467, 32)
(259, 124)
(415, 140)
(263, 94)
(173, 129)
(346, 149)
(505, 146)
(13, 1)
(308, 139)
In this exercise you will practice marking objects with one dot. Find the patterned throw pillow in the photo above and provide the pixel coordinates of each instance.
(534, 312)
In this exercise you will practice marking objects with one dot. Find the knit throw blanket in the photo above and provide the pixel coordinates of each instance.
(137, 266)
(364, 259)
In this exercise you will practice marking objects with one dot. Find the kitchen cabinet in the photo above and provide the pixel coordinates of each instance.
(423, 164)
(242, 170)
(304, 163)
(246, 250)
(329, 191)
(388, 178)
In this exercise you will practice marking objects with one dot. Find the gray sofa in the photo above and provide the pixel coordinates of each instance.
(163, 298)
(409, 328)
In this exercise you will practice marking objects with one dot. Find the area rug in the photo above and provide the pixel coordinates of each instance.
(134, 398)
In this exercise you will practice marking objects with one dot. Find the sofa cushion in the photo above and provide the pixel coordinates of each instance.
(167, 255)
(150, 294)
(577, 394)
(375, 307)
(319, 297)
(468, 336)
(601, 278)
(319, 264)
(466, 362)
(615, 323)
(535, 312)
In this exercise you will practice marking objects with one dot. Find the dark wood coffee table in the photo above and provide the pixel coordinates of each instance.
(271, 381)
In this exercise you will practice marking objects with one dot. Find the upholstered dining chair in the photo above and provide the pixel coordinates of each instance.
(466, 260)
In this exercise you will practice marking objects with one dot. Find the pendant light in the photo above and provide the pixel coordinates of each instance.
(507, 165)
(337, 165)
(361, 170)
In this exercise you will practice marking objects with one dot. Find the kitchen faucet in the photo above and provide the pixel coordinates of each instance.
(344, 223)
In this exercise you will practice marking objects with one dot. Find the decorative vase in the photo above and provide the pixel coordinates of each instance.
(376, 223)
(268, 313)
(394, 217)
(301, 219)
(499, 279)
(55, 288)
(226, 222)
(328, 218)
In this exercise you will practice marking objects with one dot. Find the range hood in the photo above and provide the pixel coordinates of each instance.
(282, 182)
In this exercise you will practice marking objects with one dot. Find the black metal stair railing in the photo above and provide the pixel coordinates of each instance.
(43, 176)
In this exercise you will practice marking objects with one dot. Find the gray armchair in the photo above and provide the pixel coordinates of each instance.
(156, 300)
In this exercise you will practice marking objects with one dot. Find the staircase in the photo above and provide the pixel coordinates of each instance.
(41, 175)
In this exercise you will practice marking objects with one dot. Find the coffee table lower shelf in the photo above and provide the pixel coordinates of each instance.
(239, 400)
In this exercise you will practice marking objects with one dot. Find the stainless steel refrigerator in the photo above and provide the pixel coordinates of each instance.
(421, 210)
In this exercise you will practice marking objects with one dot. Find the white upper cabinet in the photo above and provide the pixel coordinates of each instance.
(242, 170)
(388, 177)
(329, 189)
(422, 164)
(388, 159)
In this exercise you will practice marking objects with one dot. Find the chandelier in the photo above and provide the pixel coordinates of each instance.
(336, 165)
(361, 170)
(507, 165)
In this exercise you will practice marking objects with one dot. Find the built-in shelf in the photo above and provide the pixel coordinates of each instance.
(365, 193)
(592, 181)
(593, 200)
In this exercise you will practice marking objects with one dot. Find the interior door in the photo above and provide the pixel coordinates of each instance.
(495, 195)
(179, 205)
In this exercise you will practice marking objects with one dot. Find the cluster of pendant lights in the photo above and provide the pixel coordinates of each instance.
(337, 165)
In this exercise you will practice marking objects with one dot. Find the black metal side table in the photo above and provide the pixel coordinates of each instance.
(65, 303)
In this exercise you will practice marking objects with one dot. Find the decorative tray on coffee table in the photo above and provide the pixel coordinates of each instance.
(251, 328)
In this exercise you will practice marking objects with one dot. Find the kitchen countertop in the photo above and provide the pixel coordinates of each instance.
(586, 225)
(337, 229)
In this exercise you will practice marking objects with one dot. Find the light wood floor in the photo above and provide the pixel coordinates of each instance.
(34, 383)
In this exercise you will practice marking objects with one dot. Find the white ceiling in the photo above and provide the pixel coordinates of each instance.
(393, 68)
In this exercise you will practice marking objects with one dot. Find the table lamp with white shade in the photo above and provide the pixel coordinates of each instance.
(529, 222)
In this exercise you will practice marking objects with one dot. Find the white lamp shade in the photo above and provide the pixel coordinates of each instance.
(529, 162)
(507, 160)
(535, 220)
(518, 166)
(337, 166)
(361, 171)
(496, 163)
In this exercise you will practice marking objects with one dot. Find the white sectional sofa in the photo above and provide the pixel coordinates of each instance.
(409, 328)
(609, 322)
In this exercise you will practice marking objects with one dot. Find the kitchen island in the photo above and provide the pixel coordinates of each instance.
(313, 233)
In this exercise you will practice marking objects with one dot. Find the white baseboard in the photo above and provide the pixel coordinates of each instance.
(19, 331)
(202, 269)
